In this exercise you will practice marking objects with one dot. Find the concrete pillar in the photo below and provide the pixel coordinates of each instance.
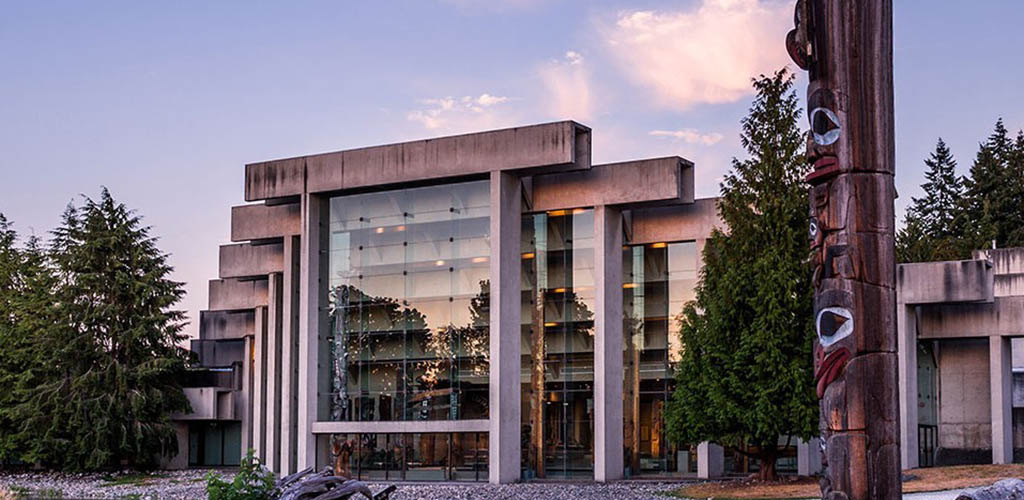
(273, 379)
(683, 462)
(259, 385)
(289, 351)
(1001, 380)
(505, 330)
(710, 460)
(906, 338)
(808, 457)
(312, 294)
(608, 454)
(245, 396)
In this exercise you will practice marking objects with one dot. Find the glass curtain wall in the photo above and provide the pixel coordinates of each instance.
(408, 305)
(558, 344)
(458, 456)
(658, 279)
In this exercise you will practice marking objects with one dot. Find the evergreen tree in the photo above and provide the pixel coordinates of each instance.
(746, 376)
(994, 197)
(106, 364)
(931, 231)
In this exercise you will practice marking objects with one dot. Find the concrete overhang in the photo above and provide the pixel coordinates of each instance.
(1003, 317)
(638, 183)
(215, 325)
(693, 221)
(555, 146)
(234, 294)
(208, 403)
(263, 222)
(243, 260)
(944, 282)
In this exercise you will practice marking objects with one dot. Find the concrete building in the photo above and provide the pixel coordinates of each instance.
(961, 359)
(487, 306)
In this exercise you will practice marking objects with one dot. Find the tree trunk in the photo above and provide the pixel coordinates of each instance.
(766, 470)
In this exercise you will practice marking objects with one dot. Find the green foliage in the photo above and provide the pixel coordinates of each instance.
(95, 363)
(253, 482)
(746, 372)
(932, 225)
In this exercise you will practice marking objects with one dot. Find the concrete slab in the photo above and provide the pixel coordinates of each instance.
(664, 180)
(944, 282)
(234, 294)
(244, 260)
(260, 222)
(674, 223)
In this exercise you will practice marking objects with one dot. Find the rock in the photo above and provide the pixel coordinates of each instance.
(1007, 489)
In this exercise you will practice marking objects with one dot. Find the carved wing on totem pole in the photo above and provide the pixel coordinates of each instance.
(846, 48)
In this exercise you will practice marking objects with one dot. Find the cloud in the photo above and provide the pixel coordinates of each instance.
(689, 135)
(569, 93)
(459, 113)
(706, 54)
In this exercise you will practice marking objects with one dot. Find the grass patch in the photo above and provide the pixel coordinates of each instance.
(925, 479)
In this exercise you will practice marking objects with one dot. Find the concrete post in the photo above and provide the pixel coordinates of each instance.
(608, 453)
(245, 396)
(505, 330)
(808, 457)
(710, 460)
(312, 293)
(289, 347)
(259, 385)
(683, 462)
(273, 401)
(906, 337)
(1001, 380)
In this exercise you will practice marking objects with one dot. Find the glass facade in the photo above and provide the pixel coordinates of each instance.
(458, 456)
(658, 280)
(408, 305)
(558, 344)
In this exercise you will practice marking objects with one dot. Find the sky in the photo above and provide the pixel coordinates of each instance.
(165, 102)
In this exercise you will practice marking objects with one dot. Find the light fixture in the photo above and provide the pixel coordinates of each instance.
(439, 263)
(558, 290)
(380, 230)
(550, 323)
(629, 285)
(528, 255)
(477, 260)
(659, 245)
(577, 211)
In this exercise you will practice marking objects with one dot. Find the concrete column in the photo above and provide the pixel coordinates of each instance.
(505, 329)
(1001, 380)
(906, 339)
(273, 379)
(710, 460)
(289, 352)
(608, 377)
(312, 296)
(808, 457)
(259, 385)
(245, 396)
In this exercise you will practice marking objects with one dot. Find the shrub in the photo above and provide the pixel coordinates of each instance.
(253, 482)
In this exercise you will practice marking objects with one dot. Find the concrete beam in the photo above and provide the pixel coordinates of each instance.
(1003, 260)
(608, 375)
(944, 282)
(552, 146)
(243, 260)
(1000, 379)
(215, 325)
(1009, 285)
(206, 404)
(675, 223)
(1002, 317)
(906, 338)
(261, 222)
(658, 180)
(401, 426)
(506, 220)
(235, 295)
(710, 460)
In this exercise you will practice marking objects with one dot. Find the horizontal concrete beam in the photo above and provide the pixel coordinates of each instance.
(260, 222)
(1002, 317)
(234, 294)
(401, 426)
(208, 403)
(251, 261)
(675, 222)
(1008, 285)
(664, 180)
(552, 146)
(944, 282)
(226, 324)
(1004, 260)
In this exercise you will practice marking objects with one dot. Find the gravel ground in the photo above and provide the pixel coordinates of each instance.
(165, 485)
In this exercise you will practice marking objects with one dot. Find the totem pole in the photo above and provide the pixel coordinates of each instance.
(846, 47)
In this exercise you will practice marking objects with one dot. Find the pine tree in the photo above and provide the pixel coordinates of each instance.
(745, 377)
(931, 230)
(992, 203)
(106, 360)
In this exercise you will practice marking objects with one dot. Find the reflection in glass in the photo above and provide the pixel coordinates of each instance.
(459, 456)
(558, 344)
(658, 279)
(408, 305)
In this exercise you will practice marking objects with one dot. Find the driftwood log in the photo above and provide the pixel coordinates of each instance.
(1007, 489)
(305, 485)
